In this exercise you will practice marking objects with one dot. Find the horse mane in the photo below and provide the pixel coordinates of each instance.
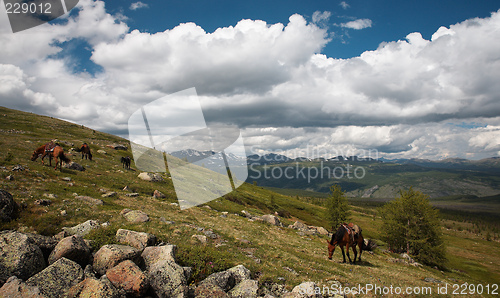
(338, 235)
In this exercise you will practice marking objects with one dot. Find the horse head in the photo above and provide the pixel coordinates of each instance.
(331, 249)
(34, 156)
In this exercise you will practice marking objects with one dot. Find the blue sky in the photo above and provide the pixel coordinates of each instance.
(404, 78)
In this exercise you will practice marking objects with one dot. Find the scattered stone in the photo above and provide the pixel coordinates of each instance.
(117, 147)
(61, 235)
(126, 188)
(58, 278)
(92, 287)
(10, 178)
(64, 213)
(109, 194)
(210, 234)
(209, 290)
(167, 279)
(83, 228)
(291, 270)
(18, 168)
(90, 200)
(433, 280)
(50, 195)
(15, 287)
(73, 248)
(74, 166)
(274, 220)
(19, 256)
(245, 289)
(137, 240)
(136, 216)
(8, 207)
(128, 277)
(43, 202)
(153, 177)
(67, 179)
(132, 195)
(158, 194)
(322, 231)
(111, 255)
(100, 151)
(246, 214)
(306, 289)
(201, 238)
(154, 254)
(125, 211)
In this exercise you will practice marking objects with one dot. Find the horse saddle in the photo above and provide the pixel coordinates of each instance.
(49, 147)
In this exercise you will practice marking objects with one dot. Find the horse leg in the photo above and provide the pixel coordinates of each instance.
(343, 253)
(355, 252)
(55, 158)
(348, 256)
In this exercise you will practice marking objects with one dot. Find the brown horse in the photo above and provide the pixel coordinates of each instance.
(56, 151)
(346, 236)
(85, 150)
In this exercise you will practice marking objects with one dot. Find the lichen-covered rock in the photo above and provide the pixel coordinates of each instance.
(74, 248)
(58, 278)
(209, 290)
(91, 287)
(167, 279)
(45, 243)
(19, 256)
(139, 240)
(83, 228)
(306, 289)
(274, 220)
(128, 277)
(90, 200)
(15, 287)
(74, 166)
(108, 256)
(153, 177)
(154, 254)
(224, 279)
(8, 207)
(240, 273)
(136, 216)
(158, 194)
(245, 289)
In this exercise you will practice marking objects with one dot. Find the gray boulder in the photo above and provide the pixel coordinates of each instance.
(274, 220)
(108, 256)
(139, 240)
(209, 290)
(167, 279)
(154, 254)
(90, 200)
(15, 287)
(74, 166)
(92, 287)
(136, 216)
(152, 177)
(58, 278)
(8, 207)
(74, 248)
(83, 228)
(19, 256)
(245, 289)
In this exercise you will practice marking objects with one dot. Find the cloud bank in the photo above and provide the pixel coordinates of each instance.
(408, 98)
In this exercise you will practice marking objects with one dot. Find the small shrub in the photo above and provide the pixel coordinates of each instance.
(102, 236)
(204, 260)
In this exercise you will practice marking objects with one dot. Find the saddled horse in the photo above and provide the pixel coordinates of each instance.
(348, 236)
(85, 150)
(126, 162)
(52, 150)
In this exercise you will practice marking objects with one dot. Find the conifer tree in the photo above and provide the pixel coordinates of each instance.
(412, 225)
(337, 207)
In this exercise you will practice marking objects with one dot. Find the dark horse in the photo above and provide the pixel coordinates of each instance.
(85, 150)
(126, 162)
(52, 150)
(348, 236)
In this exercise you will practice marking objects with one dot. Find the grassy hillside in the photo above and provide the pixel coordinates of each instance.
(273, 254)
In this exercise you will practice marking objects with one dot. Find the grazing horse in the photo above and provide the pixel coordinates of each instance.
(85, 150)
(346, 236)
(44, 151)
(126, 162)
(55, 151)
